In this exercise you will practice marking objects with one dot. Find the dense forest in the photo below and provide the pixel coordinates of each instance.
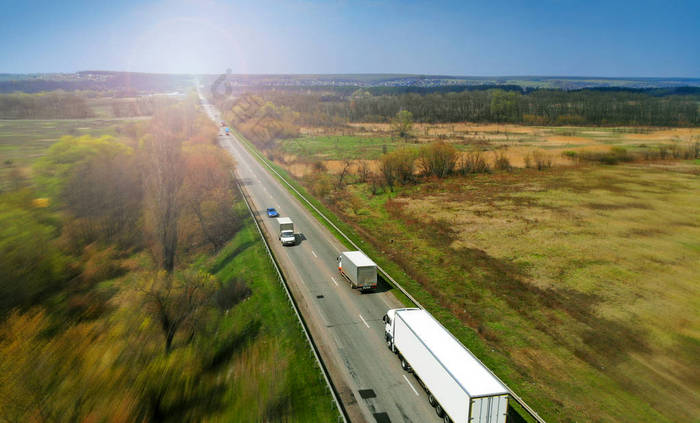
(50, 105)
(653, 107)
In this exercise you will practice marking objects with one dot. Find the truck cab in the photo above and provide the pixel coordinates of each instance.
(286, 231)
(287, 237)
(388, 329)
(388, 320)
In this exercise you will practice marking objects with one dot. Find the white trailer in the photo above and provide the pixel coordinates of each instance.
(458, 385)
(359, 269)
(286, 231)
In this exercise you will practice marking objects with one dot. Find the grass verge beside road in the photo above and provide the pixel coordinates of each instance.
(274, 377)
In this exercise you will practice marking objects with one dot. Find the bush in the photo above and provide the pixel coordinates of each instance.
(686, 152)
(501, 161)
(542, 160)
(571, 155)
(437, 159)
(231, 293)
(320, 184)
(398, 166)
(30, 263)
(101, 264)
(472, 162)
(612, 157)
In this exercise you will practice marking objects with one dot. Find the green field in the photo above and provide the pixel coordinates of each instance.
(25, 140)
(337, 147)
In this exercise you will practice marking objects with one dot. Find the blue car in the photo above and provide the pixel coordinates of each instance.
(271, 212)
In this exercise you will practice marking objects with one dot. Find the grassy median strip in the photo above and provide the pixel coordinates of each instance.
(274, 377)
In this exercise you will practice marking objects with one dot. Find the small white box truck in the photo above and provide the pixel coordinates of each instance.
(286, 231)
(458, 385)
(359, 269)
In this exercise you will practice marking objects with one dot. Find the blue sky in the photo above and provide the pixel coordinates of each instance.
(487, 38)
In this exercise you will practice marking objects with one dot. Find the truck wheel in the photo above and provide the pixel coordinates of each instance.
(440, 412)
(388, 344)
(447, 419)
(404, 364)
(431, 399)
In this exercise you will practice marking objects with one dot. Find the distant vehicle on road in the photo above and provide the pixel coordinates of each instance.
(228, 130)
(286, 231)
(459, 387)
(271, 212)
(359, 269)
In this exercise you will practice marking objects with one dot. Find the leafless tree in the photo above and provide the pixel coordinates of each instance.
(343, 173)
(363, 170)
(177, 302)
(163, 176)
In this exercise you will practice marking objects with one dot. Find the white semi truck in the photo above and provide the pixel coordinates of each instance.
(359, 269)
(458, 385)
(286, 231)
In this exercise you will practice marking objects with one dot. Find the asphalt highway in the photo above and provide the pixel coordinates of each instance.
(345, 324)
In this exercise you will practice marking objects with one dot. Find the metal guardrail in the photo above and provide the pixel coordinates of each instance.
(517, 398)
(302, 323)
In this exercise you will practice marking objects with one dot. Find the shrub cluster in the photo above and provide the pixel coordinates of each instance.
(620, 154)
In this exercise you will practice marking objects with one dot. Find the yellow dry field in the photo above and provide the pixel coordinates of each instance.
(516, 142)
(300, 169)
(532, 136)
(581, 279)
(585, 279)
(666, 134)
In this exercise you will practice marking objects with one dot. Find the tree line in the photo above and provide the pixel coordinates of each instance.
(658, 107)
(49, 105)
(78, 105)
(139, 106)
(133, 83)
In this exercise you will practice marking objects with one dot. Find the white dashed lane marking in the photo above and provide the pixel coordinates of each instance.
(363, 320)
(411, 385)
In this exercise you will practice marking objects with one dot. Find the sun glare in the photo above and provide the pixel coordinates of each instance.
(187, 45)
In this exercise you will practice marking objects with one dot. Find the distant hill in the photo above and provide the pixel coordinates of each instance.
(399, 80)
(134, 82)
(129, 82)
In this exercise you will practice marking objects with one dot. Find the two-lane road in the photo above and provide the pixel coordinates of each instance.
(346, 325)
